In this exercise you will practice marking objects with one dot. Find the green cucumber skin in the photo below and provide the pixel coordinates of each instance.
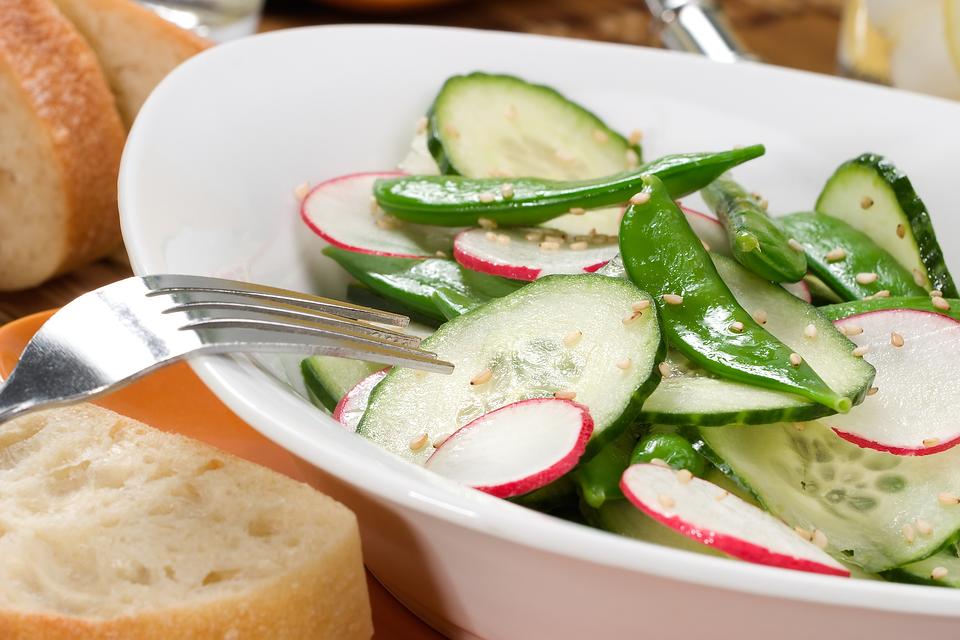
(435, 136)
(919, 572)
(820, 234)
(454, 201)
(915, 212)
(325, 386)
(755, 240)
(845, 309)
(800, 413)
(316, 393)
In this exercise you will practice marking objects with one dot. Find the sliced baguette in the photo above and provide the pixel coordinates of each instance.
(112, 529)
(60, 145)
(136, 47)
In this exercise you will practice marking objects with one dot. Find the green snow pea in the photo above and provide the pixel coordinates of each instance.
(599, 477)
(673, 449)
(756, 241)
(700, 316)
(920, 303)
(420, 284)
(454, 201)
(847, 260)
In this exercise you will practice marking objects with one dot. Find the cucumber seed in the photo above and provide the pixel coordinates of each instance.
(866, 202)
(804, 533)
(660, 462)
(672, 298)
(440, 254)
(852, 330)
(918, 277)
(883, 293)
(491, 236)
(641, 305)
(866, 277)
(443, 437)
(640, 198)
(896, 339)
(563, 156)
(835, 255)
(481, 378)
(503, 239)
(936, 293)
(872, 391)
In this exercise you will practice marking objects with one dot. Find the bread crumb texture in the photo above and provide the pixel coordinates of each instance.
(112, 529)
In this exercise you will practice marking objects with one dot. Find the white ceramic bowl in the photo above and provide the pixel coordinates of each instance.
(207, 187)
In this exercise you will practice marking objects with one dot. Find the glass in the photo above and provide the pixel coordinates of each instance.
(218, 20)
(910, 44)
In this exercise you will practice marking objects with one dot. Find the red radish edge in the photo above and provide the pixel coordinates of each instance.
(333, 241)
(865, 443)
(736, 547)
(545, 476)
(474, 263)
(354, 393)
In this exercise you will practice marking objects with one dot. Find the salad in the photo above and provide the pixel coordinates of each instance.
(774, 388)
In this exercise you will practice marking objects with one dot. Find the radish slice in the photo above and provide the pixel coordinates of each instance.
(706, 513)
(341, 212)
(799, 289)
(913, 410)
(517, 448)
(519, 254)
(354, 403)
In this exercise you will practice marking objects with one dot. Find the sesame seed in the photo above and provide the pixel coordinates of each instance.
(764, 204)
(506, 190)
(883, 293)
(939, 573)
(672, 298)
(549, 246)
(819, 538)
(720, 496)
(534, 236)
(419, 442)
(835, 255)
(866, 202)
(940, 303)
(303, 189)
(930, 442)
(872, 391)
(896, 339)
(600, 136)
(635, 136)
(810, 331)
(664, 368)
(852, 330)
(760, 316)
(796, 246)
(421, 124)
(861, 351)
(866, 277)
(577, 211)
(795, 359)
(901, 231)
(563, 156)
(948, 499)
(804, 533)
(666, 501)
(491, 236)
(486, 196)
(924, 528)
(487, 223)
(684, 476)
(503, 239)
(660, 462)
(936, 292)
(565, 395)
(552, 238)
(640, 198)
(632, 158)
(736, 327)
(440, 254)
(451, 131)
(572, 338)
(909, 534)
(705, 245)
(579, 246)
(510, 112)
(439, 440)
(918, 277)
(600, 239)
(482, 377)
(624, 364)
(633, 316)
(799, 426)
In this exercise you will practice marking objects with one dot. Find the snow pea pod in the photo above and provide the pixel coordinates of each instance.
(599, 477)
(700, 316)
(756, 241)
(947, 307)
(455, 201)
(422, 284)
(673, 449)
(848, 260)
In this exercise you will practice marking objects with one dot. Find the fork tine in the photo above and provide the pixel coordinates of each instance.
(171, 284)
(225, 334)
(268, 312)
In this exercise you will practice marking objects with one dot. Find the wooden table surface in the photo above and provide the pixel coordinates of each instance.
(794, 33)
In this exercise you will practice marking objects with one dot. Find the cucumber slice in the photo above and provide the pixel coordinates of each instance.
(872, 195)
(528, 342)
(484, 125)
(868, 503)
(328, 378)
(692, 396)
(930, 571)
(843, 257)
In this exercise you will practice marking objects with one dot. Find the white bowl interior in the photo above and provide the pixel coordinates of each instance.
(211, 164)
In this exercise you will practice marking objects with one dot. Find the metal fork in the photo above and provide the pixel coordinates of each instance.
(116, 334)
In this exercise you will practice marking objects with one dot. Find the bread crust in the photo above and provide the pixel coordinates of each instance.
(59, 78)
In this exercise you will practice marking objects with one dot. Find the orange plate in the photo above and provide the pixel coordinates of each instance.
(199, 414)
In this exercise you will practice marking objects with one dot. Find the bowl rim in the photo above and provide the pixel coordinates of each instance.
(413, 487)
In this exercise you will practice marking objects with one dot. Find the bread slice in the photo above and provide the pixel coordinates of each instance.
(136, 47)
(112, 529)
(60, 145)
